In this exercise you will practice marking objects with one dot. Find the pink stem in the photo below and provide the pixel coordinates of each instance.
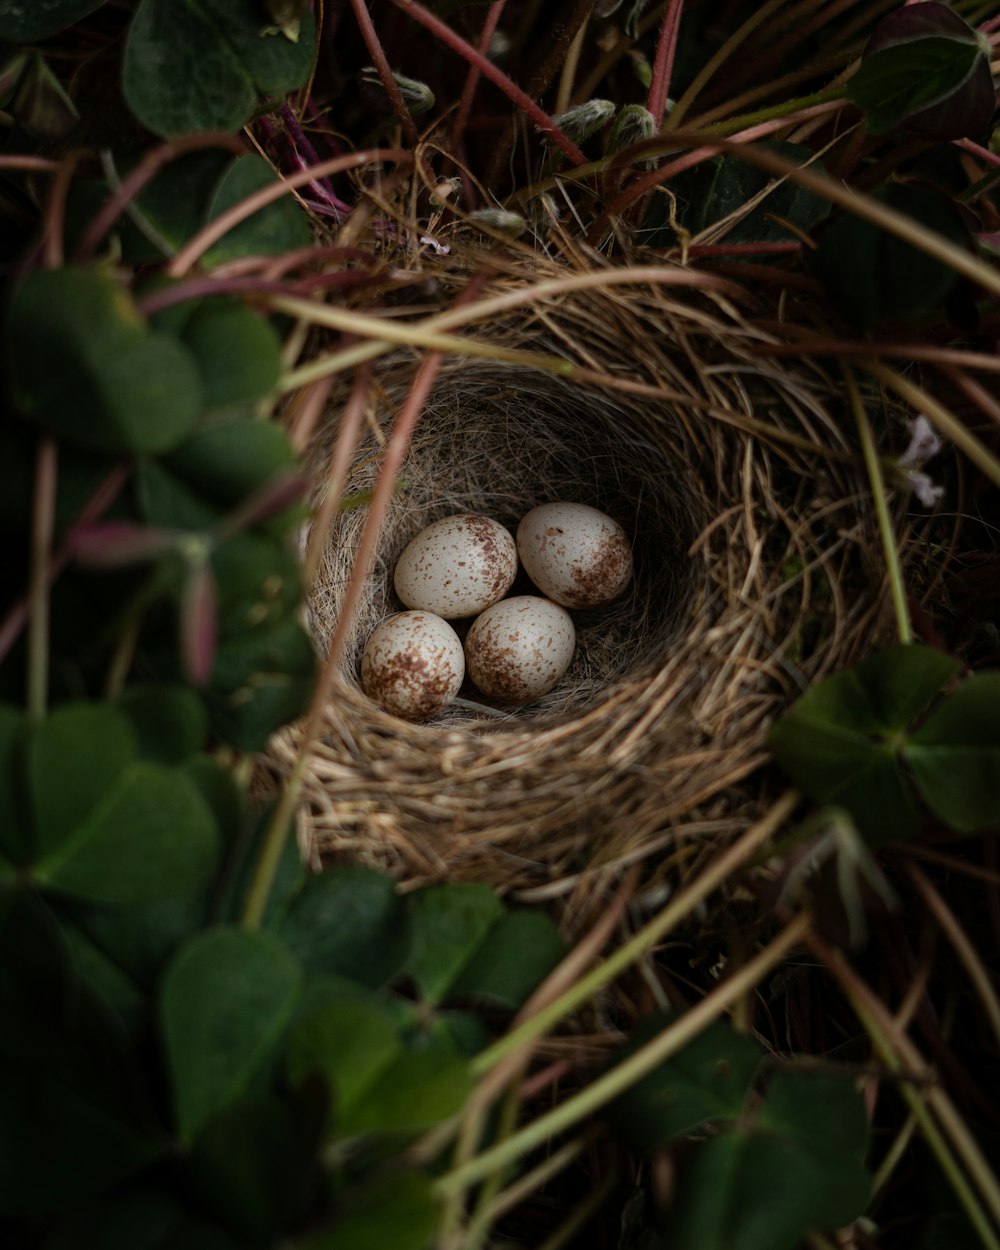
(30, 164)
(663, 63)
(370, 36)
(542, 120)
(493, 15)
(977, 150)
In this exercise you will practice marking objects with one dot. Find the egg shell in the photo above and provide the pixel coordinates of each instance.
(457, 567)
(518, 649)
(413, 665)
(577, 556)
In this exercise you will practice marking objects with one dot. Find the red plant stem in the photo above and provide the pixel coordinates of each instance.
(663, 63)
(977, 150)
(374, 46)
(211, 233)
(96, 506)
(42, 530)
(493, 14)
(989, 26)
(168, 297)
(303, 423)
(541, 119)
(140, 176)
(30, 164)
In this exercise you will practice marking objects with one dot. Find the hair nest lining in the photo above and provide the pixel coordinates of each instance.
(757, 570)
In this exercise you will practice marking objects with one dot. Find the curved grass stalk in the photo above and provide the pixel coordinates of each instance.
(733, 858)
(900, 1055)
(956, 935)
(886, 531)
(634, 1068)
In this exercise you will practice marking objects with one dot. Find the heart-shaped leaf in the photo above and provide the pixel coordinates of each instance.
(706, 1081)
(74, 757)
(399, 1210)
(955, 756)
(203, 64)
(83, 363)
(150, 836)
(278, 227)
(516, 955)
(349, 1044)
(226, 1000)
(350, 922)
(169, 722)
(449, 924)
(238, 353)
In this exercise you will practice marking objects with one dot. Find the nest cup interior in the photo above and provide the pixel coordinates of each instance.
(499, 441)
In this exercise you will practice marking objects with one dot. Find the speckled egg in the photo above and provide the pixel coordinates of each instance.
(457, 567)
(575, 555)
(413, 665)
(518, 649)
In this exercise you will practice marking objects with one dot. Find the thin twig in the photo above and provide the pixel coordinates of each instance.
(663, 62)
(374, 46)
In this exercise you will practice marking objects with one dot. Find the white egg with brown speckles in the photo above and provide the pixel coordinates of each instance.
(517, 650)
(457, 566)
(413, 665)
(577, 556)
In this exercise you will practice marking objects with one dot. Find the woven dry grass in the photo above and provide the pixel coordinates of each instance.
(757, 571)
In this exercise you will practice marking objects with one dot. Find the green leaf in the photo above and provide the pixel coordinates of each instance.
(449, 923)
(418, 1089)
(747, 1191)
(83, 363)
(152, 836)
(706, 1081)
(719, 187)
(203, 65)
(170, 723)
(15, 840)
(227, 461)
(174, 206)
(872, 274)
(519, 951)
(225, 1002)
(955, 756)
(64, 1060)
(259, 583)
(74, 757)
(168, 503)
(238, 352)
(824, 1115)
(839, 742)
(27, 21)
(399, 1210)
(261, 681)
(104, 976)
(898, 81)
(277, 228)
(350, 922)
(349, 1044)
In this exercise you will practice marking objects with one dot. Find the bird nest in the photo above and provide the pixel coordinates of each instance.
(752, 531)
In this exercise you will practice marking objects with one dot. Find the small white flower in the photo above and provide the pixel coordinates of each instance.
(924, 443)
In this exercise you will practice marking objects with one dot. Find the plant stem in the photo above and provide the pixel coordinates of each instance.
(42, 529)
(632, 1069)
(280, 824)
(721, 867)
(374, 46)
(900, 1056)
(786, 111)
(885, 527)
(663, 62)
(493, 15)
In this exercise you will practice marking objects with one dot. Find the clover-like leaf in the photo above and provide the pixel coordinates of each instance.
(85, 364)
(204, 64)
(26, 21)
(926, 69)
(955, 756)
(226, 1000)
